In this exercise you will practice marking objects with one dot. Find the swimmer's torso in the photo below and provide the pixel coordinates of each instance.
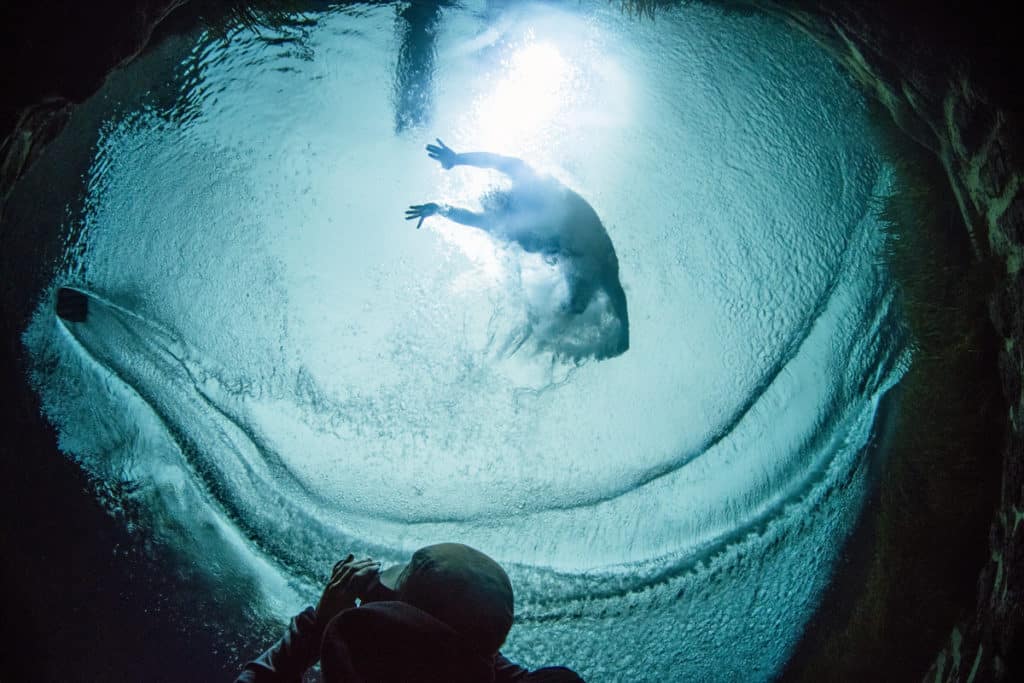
(543, 216)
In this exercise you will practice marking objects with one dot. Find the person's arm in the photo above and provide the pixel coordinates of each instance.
(299, 648)
(510, 166)
(448, 158)
(462, 216)
(288, 658)
(506, 671)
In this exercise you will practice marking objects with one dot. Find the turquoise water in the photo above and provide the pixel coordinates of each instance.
(286, 370)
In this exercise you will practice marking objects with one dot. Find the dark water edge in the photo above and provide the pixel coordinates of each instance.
(908, 571)
(911, 567)
(82, 603)
(839, 601)
(85, 599)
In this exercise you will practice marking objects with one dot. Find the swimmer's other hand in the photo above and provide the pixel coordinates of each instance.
(443, 153)
(422, 211)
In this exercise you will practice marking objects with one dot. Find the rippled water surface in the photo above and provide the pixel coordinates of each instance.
(276, 362)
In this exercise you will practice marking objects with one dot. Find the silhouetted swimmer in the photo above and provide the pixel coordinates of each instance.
(543, 216)
(72, 305)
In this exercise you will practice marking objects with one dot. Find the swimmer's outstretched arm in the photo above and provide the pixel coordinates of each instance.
(510, 166)
(462, 216)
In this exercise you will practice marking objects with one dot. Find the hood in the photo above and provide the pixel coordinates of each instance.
(381, 642)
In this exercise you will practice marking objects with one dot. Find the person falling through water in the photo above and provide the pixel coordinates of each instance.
(543, 216)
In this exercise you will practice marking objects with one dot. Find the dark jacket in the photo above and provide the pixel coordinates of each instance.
(384, 642)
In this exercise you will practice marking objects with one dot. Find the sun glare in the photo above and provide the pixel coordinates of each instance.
(535, 88)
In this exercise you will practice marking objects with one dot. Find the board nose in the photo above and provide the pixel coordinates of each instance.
(72, 305)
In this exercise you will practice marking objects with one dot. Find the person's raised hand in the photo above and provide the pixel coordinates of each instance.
(349, 578)
(422, 211)
(442, 153)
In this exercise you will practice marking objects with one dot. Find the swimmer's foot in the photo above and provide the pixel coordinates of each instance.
(72, 305)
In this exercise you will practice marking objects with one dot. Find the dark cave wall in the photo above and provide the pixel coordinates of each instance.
(54, 55)
(944, 73)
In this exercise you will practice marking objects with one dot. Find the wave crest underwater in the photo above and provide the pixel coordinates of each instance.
(299, 373)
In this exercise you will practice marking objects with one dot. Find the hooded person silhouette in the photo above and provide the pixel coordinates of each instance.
(440, 617)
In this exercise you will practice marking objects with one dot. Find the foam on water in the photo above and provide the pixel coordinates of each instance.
(280, 364)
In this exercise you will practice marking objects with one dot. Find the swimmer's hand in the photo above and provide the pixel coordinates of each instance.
(349, 578)
(443, 153)
(422, 211)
